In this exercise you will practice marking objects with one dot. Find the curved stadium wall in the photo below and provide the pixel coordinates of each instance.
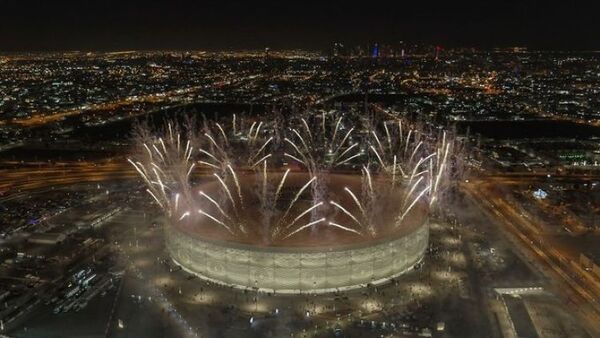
(297, 269)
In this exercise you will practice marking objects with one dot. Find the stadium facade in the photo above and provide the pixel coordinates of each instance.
(298, 269)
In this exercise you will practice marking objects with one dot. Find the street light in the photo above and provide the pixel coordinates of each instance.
(256, 298)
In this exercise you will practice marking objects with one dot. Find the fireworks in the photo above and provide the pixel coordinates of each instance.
(392, 157)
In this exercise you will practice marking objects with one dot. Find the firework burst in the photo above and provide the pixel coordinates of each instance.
(290, 165)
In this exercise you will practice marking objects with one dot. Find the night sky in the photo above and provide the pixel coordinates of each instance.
(27, 25)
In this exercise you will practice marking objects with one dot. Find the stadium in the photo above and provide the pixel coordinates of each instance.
(325, 206)
(320, 259)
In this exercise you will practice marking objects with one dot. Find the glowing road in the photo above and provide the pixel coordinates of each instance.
(580, 287)
(33, 177)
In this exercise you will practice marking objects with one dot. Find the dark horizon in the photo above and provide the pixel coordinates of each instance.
(34, 25)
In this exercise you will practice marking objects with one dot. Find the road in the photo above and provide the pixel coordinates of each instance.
(14, 182)
(578, 286)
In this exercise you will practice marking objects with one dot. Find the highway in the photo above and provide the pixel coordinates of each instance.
(576, 284)
(31, 177)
